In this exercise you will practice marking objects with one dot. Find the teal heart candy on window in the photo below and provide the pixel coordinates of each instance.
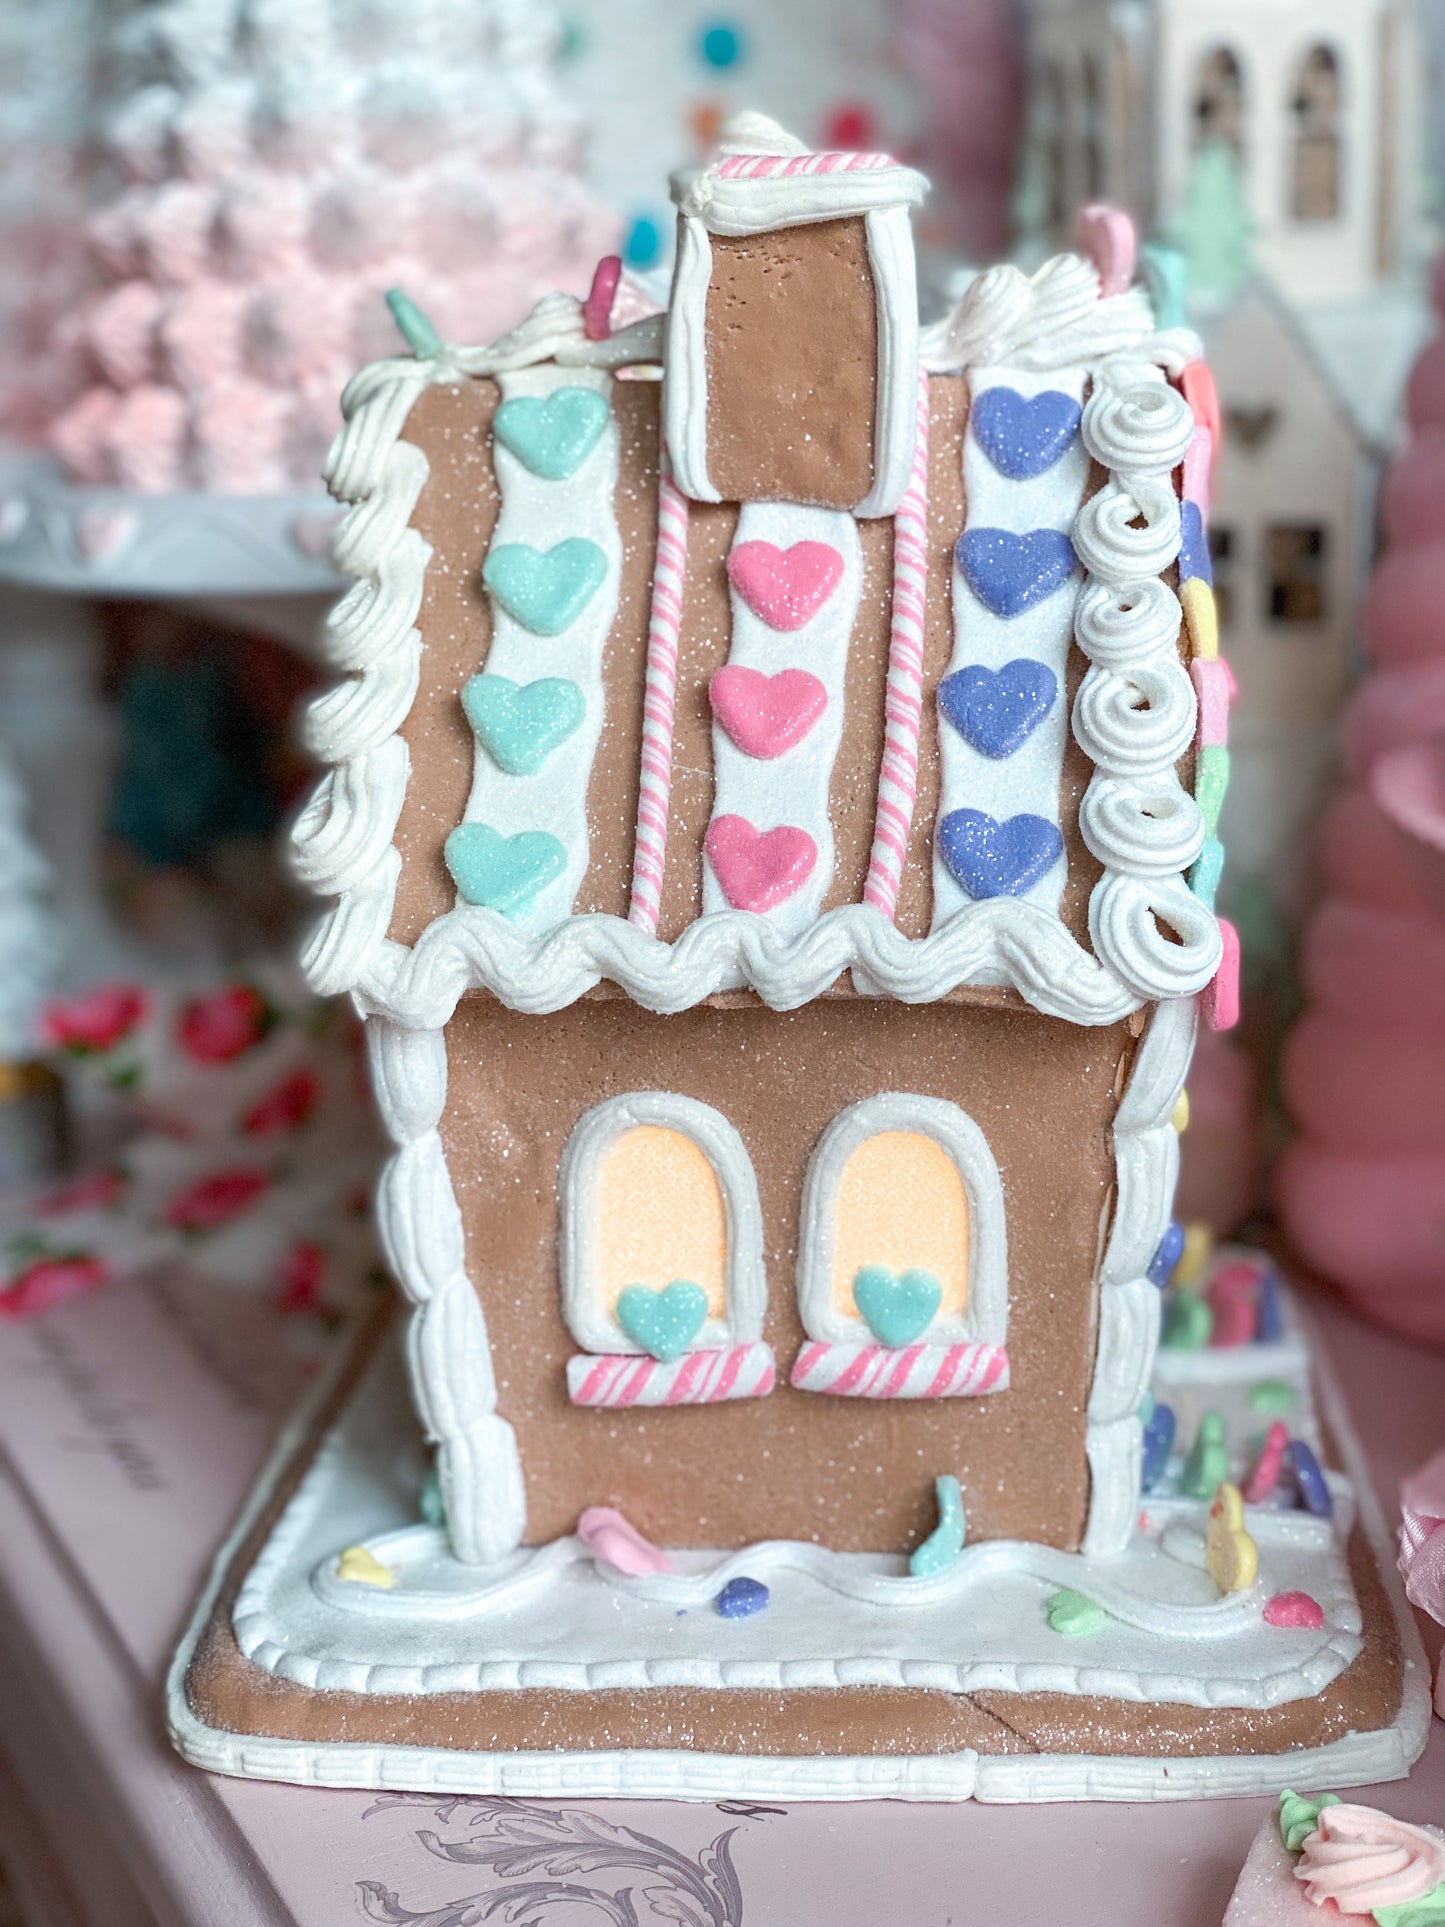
(520, 724)
(498, 872)
(662, 1322)
(545, 589)
(553, 434)
(898, 1306)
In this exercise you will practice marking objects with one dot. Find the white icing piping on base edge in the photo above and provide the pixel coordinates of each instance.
(1146, 1165)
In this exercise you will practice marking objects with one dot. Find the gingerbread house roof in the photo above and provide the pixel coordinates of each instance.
(802, 750)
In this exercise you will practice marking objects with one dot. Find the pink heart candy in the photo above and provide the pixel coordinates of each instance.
(785, 587)
(759, 869)
(766, 715)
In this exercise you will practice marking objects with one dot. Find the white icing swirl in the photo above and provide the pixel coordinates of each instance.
(1140, 430)
(1150, 828)
(1138, 724)
(1364, 1860)
(1106, 540)
(1125, 918)
(1050, 321)
(1118, 628)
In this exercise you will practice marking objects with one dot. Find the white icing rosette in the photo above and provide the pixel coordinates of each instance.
(1139, 431)
(1119, 628)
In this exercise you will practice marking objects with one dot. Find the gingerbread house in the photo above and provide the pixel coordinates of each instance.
(771, 829)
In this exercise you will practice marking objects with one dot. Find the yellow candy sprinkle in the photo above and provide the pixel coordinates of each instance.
(1231, 1557)
(1198, 1243)
(1201, 616)
(1179, 1116)
(363, 1568)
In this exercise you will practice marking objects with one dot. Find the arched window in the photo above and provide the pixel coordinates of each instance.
(902, 1263)
(1315, 175)
(1219, 101)
(663, 1283)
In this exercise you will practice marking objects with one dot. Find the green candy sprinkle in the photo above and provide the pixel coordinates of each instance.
(944, 1544)
(416, 331)
(1271, 1397)
(1208, 1461)
(1188, 1320)
(432, 1509)
(1074, 1614)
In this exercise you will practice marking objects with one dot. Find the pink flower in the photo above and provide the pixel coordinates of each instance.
(50, 1282)
(219, 1028)
(1362, 1859)
(303, 1272)
(215, 1200)
(97, 1020)
(94, 1191)
(286, 1108)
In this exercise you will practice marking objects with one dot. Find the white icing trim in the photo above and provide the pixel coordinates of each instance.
(1146, 1164)
(684, 379)
(539, 513)
(1028, 780)
(755, 204)
(453, 1386)
(596, 1132)
(1000, 940)
(986, 1317)
(794, 789)
(895, 424)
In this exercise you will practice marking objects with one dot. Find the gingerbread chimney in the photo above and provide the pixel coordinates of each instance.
(792, 339)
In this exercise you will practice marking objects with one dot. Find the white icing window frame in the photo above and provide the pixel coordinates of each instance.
(985, 1321)
(745, 1276)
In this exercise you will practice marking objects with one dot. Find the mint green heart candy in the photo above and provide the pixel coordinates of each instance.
(898, 1307)
(520, 724)
(552, 434)
(662, 1322)
(545, 589)
(498, 872)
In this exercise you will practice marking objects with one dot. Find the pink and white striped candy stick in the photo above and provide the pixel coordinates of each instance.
(659, 705)
(911, 1371)
(903, 705)
(765, 167)
(618, 1379)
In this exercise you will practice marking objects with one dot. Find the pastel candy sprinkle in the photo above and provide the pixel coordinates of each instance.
(1010, 573)
(412, 325)
(1024, 435)
(552, 435)
(997, 710)
(362, 1568)
(1074, 1614)
(1203, 396)
(502, 873)
(1231, 1299)
(1221, 997)
(1194, 1253)
(1188, 1321)
(545, 590)
(1207, 869)
(1167, 1254)
(1268, 1466)
(1193, 544)
(944, 1544)
(1211, 783)
(1231, 1557)
(1111, 241)
(1268, 1395)
(1201, 616)
(1214, 691)
(663, 1322)
(1166, 275)
(597, 309)
(740, 1598)
(898, 1307)
(1207, 1466)
(1294, 1609)
(1270, 1328)
(520, 724)
(616, 1542)
(1314, 1492)
(1198, 463)
(1158, 1444)
(431, 1507)
(1179, 1116)
(990, 858)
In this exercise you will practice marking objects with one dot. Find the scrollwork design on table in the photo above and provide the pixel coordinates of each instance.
(538, 1853)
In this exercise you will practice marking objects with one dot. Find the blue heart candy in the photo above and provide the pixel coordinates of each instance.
(898, 1307)
(1010, 573)
(498, 872)
(553, 434)
(1024, 435)
(662, 1322)
(545, 589)
(993, 859)
(998, 709)
(520, 724)
(1193, 545)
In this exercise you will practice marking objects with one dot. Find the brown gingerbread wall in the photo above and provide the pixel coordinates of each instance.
(852, 1473)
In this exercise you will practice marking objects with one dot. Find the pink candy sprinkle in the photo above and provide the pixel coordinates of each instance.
(609, 1537)
(597, 309)
(1266, 1474)
(1111, 243)
(1294, 1609)
(1221, 998)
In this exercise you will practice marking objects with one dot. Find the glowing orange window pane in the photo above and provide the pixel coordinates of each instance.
(901, 1203)
(660, 1216)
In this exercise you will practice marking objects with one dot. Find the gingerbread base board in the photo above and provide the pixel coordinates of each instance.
(232, 1715)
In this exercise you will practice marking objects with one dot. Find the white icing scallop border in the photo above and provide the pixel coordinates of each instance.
(593, 1136)
(1146, 1164)
(985, 1319)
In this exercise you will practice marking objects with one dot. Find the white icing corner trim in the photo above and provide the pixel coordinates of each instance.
(594, 1327)
(448, 1356)
(1146, 1163)
(684, 361)
(985, 1318)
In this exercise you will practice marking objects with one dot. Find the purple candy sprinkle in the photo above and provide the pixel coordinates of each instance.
(741, 1598)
